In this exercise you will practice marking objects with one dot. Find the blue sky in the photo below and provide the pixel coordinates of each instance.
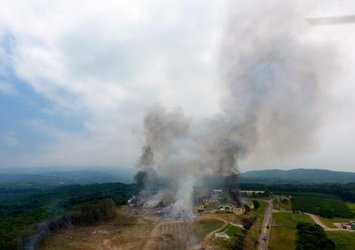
(76, 79)
(21, 107)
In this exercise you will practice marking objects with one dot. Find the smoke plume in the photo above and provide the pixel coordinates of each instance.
(275, 76)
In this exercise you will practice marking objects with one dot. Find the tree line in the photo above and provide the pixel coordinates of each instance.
(345, 191)
(22, 209)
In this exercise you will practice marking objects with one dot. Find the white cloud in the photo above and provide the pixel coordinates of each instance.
(110, 60)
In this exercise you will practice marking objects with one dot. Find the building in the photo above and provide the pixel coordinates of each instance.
(217, 191)
(238, 210)
(226, 208)
(250, 204)
(251, 192)
(201, 209)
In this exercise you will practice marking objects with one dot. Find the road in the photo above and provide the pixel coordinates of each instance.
(214, 217)
(318, 221)
(266, 226)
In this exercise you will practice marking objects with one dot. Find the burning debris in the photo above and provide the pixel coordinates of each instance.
(274, 80)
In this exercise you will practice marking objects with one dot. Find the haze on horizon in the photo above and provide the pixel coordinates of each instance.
(76, 80)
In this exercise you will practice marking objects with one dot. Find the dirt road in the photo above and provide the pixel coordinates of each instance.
(211, 234)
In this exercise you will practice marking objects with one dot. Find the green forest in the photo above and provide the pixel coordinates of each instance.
(22, 209)
(345, 191)
(327, 206)
(312, 236)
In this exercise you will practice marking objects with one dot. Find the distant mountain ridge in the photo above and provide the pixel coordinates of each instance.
(62, 178)
(48, 177)
(299, 175)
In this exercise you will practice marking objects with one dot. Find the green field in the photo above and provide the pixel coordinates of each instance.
(280, 203)
(236, 235)
(342, 240)
(329, 221)
(327, 206)
(203, 227)
(283, 234)
(351, 206)
(232, 231)
(252, 237)
(124, 220)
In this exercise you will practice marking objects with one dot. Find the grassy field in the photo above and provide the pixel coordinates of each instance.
(123, 220)
(351, 206)
(98, 237)
(329, 222)
(232, 231)
(283, 234)
(203, 227)
(252, 237)
(229, 217)
(281, 203)
(123, 230)
(342, 240)
(236, 235)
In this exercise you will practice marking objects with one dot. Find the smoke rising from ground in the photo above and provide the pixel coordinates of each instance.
(275, 76)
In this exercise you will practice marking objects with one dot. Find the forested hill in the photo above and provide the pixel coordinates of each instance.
(21, 209)
(54, 178)
(297, 176)
(49, 177)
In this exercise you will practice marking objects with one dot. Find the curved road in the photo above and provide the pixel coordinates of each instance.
(265, 230)
(211, 216)
(318, 221)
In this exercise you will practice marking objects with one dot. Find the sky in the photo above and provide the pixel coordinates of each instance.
(77, 77)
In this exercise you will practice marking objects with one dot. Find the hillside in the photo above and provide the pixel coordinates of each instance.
(61, 178)
(21, 209)
(55, 177)
(297, 176)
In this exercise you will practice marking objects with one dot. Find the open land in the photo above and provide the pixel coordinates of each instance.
(133, 230)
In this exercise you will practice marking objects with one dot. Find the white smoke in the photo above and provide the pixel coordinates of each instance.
(184, 200)
(275, 75)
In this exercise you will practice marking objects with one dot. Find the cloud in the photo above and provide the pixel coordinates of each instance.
(10, 139)
(107, 62)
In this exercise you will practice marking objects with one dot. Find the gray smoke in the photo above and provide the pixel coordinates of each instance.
(331, 20)
(163, 132)
(275, 75)
(162, 129)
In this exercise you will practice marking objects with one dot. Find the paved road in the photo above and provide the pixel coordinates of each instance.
(266, 227)
(318, 221)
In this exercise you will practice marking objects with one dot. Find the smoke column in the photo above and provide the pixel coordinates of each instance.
(275, 76)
